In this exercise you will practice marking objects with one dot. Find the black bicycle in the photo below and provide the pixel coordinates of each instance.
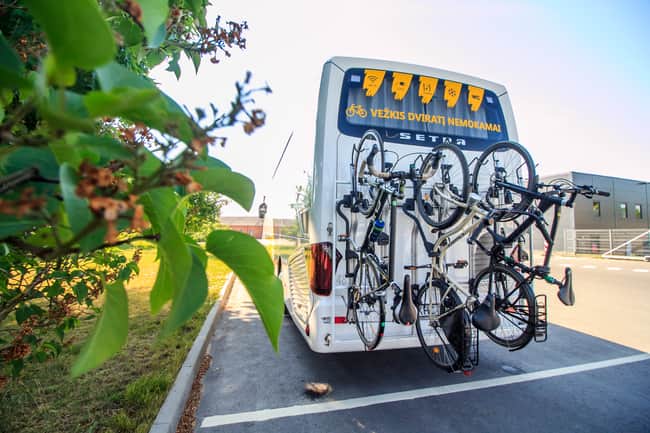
(523, 315)
(372, 190)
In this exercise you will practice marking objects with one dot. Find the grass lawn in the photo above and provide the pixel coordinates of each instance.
(124, 394)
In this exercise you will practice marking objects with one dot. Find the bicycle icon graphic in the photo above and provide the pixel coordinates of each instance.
(356, 109)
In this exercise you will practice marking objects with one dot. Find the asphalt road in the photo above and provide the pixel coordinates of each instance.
(592, 375)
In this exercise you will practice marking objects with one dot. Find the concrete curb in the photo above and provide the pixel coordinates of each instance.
(172, 409)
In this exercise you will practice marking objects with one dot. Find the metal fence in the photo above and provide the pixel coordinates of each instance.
(619, 243)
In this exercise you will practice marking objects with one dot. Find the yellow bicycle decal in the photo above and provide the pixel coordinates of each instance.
(356, 109)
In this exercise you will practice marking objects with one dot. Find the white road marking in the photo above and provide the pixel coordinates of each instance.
(588, 267)
(330, 406)
(613, 268)
(640, 270)
(565, 264)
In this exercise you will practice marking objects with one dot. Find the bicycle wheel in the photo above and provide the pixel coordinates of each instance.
(368, 308)
(509, 162)
(364, 183)
(443, 329)
(515, 305)
(451, 179)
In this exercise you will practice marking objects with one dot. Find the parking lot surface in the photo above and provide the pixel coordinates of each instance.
(574, 382)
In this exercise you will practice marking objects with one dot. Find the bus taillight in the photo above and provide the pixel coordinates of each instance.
(320, 268)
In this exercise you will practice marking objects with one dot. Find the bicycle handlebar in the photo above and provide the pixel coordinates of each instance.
(557, 194)
(370, 163)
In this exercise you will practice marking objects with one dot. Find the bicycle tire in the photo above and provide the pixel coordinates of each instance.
(515, 305)
(453, 177)
(511, 162)
(445, 341)
(368, 309)
(362, 181)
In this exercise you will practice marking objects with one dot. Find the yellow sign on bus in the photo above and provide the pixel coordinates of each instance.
(401, 84)
(372, 81)
(475, 97)
(427, 89)
(374, 78)
(452, 93)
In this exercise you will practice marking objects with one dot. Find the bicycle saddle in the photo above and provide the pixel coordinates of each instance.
(408, 314)
(485, 317)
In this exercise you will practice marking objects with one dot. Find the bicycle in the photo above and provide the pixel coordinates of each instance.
(371, 275)
(523, 314)
(509, 160)
(443, 320)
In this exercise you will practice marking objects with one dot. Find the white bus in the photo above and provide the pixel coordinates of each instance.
(414, 108)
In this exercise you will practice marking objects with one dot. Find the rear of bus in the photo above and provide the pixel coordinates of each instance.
(414, 108)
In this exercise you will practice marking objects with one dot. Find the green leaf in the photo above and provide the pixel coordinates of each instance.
(189, 297)
(77, 32)
(161, 207)
(11, 68)
(211, 162)
(75, 206)
(76, 147)
(155, 57)
(173, 65)
(163, 288)
(150, 165)
(39, 157)
(17, 366)
(59, 74)
(131, 33)
(23, 313)
(196, 59)
(154, 17)
(10, 225)
(77, 210)
(119, 102)
(115, 76)
(110, 332)
(252, 264)
(159, 204)
(163, 114)
(80, 290)
(65, 110)
(224, 181)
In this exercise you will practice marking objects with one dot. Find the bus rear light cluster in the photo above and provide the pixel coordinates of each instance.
(319, 268)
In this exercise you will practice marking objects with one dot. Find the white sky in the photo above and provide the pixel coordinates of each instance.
(577, 76)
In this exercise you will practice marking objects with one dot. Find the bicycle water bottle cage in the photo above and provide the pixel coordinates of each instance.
(508, 197)
(409, 204)
(383, 239)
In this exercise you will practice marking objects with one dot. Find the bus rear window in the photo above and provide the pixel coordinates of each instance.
(420, 110)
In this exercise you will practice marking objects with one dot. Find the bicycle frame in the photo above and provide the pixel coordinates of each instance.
(545, 203)
(438, 250)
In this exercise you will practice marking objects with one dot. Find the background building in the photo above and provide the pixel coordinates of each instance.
(599, 224)
(254, 226)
